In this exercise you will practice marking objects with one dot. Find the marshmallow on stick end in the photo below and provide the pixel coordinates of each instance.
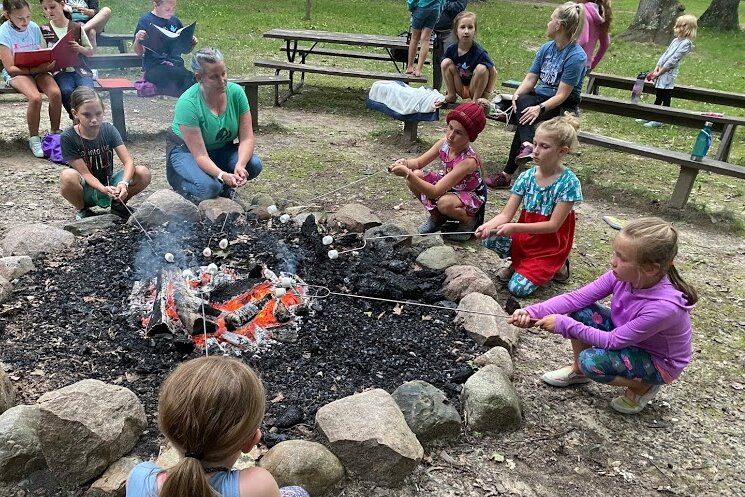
(333, 254)
(272, 209)
(223, 243)
(285, 282)
(212, 269)
(169, 257)
(207, 252)
(279, 292)
(284, 218)
(327, 240)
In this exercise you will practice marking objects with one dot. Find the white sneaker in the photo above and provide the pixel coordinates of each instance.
(34, 143)
(94, 74)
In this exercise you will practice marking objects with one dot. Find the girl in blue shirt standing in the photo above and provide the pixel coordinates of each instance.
(424, 16)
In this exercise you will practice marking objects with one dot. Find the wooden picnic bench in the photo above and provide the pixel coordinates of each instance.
(597, 80)
(297, 55)
(120, 41)
(689, 169)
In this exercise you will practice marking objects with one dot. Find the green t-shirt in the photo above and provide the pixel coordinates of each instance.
(217, 131)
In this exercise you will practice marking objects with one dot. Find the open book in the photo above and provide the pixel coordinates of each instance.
(62, 54)
(161, 41)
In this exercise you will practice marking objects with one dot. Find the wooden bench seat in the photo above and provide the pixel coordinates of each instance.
(688, 168)
(251, 87)
(114, 61)
(120, 41)
(292, 67)
(353, 54)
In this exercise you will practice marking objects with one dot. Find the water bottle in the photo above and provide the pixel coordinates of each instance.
(636, 91)
(702, 144)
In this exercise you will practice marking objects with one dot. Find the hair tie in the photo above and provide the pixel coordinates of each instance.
(195, 455)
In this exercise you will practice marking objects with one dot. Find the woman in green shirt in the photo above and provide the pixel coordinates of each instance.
(202, 160)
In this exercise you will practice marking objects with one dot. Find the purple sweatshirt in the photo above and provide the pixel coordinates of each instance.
(591, 35)
(656, 320)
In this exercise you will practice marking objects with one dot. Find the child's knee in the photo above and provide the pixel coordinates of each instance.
(142, 175)
(34, 100)
(480, 71)
(69, 178)
(447, 65)
(588, 364)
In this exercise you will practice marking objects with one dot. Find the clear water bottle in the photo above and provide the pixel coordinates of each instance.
(636, 91)
(702, 144)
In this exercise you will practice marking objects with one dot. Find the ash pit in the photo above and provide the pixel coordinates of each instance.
(71, 319)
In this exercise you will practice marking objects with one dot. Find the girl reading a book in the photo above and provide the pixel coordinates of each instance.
(162, 64)
(21, 34)
(67, 78)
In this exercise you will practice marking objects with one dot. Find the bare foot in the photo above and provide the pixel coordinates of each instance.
(409, 70)
(451, 99)
(418, 73)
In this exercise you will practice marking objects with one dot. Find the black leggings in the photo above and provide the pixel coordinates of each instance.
(663, 96)
(526, 132)
(170, 79)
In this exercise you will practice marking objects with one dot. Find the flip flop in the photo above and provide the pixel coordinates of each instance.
(614, 222)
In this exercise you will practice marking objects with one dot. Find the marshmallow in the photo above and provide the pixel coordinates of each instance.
(284, 218)
(212, 269)
(333, 254)
(279, 292)
(169, 257)
(188, 274)
(206, 252)
(328, 240)
(223, 243)
(272, 209)
(285, 282)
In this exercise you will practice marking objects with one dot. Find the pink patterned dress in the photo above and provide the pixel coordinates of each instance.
(471, 190)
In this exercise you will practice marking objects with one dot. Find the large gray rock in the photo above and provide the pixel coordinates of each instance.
(87, 426)
(490, 402)
(114, 480)
(426, 411)
(92, 224)
(6, 289)
(214, 210)
(7, 392)
(15, 266)
(163, 206)
(355, 217)
(169, 457)
(34, 240)
(438, 258)
(397, 236)
(20, 453)
(307, 464)
(460, 280)
(498, 356)
(369, 434)
(263, 200)
(488, 324)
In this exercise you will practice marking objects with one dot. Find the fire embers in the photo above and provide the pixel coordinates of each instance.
(218, 309)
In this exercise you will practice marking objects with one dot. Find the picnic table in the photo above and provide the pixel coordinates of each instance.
(597, 80)
(316, 44)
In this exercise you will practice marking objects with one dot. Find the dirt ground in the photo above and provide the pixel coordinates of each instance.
(688, 442)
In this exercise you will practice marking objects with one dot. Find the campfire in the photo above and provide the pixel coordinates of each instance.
(218, 307)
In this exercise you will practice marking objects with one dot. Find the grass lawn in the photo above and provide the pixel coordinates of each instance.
(511, 32)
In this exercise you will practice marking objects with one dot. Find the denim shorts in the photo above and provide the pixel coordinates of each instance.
(7, 77)
(424, 18)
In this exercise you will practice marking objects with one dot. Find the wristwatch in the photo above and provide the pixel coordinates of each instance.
(542, 106)
(219, 177)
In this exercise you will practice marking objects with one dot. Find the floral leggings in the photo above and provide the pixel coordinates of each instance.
(603, 365)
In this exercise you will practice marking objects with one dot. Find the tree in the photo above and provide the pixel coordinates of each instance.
(654, 21)
(721, 14)
(307, 10)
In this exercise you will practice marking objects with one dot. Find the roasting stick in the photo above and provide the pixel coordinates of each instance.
(333, 254)
(325, 292)
(131, 215)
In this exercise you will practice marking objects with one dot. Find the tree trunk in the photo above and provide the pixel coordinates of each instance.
(721, 14)
(654, 21)
(307, 10)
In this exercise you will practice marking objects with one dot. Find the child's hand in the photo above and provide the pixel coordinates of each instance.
(141, 35)
(400, 170)
(521, 319)
(241, 175)
(76, 46)
(506, 229)
(42, 68)
(109, 191)
(547, 323)
(194, 41)
(484, 231)
(120, 191)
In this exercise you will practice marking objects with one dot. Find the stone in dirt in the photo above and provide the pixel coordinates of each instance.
(15, 266)
(262, 200)
(169, 457)
(355, 217)
(300, 218)
(463, 279)
(87, 426)
(34, 240)
(6, 289)
(426, 411)
(7, 392)
(214, 210)
(114, 480)
(259, 212)
(90, 225)
(498, 356)
(489, 329)
(369, 434)
(306, 464)
(20, 453)
(389, 229)
(163, 206)
(490, 401)
(437, 258)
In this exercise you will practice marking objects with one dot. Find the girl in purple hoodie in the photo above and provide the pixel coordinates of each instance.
(598, 16)
(644, 340)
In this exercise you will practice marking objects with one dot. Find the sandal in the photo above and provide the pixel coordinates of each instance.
(625, 406)
(498, 181)
(563, 274)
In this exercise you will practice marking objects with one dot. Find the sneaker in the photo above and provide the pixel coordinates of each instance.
(498, 181)
(563, 274)
(83, 213)
(653, 124)
(465, 231)
(625, 406)
(641, 121)
(431, 225)
(34, 143)
(564, 377)
(94, 74)
(504, 274)
(120, 209)
(525, 154)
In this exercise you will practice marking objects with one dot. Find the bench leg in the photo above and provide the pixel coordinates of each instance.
(410, 130)
(116, 98)
(436, 69)
(122, 45)
(592, 85)
(252, 93)
(683, 187)
(725, 143)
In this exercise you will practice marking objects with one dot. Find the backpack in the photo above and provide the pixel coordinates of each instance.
(51, 145)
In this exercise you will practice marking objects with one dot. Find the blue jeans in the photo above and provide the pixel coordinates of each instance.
(187, 178)
(67, 82)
